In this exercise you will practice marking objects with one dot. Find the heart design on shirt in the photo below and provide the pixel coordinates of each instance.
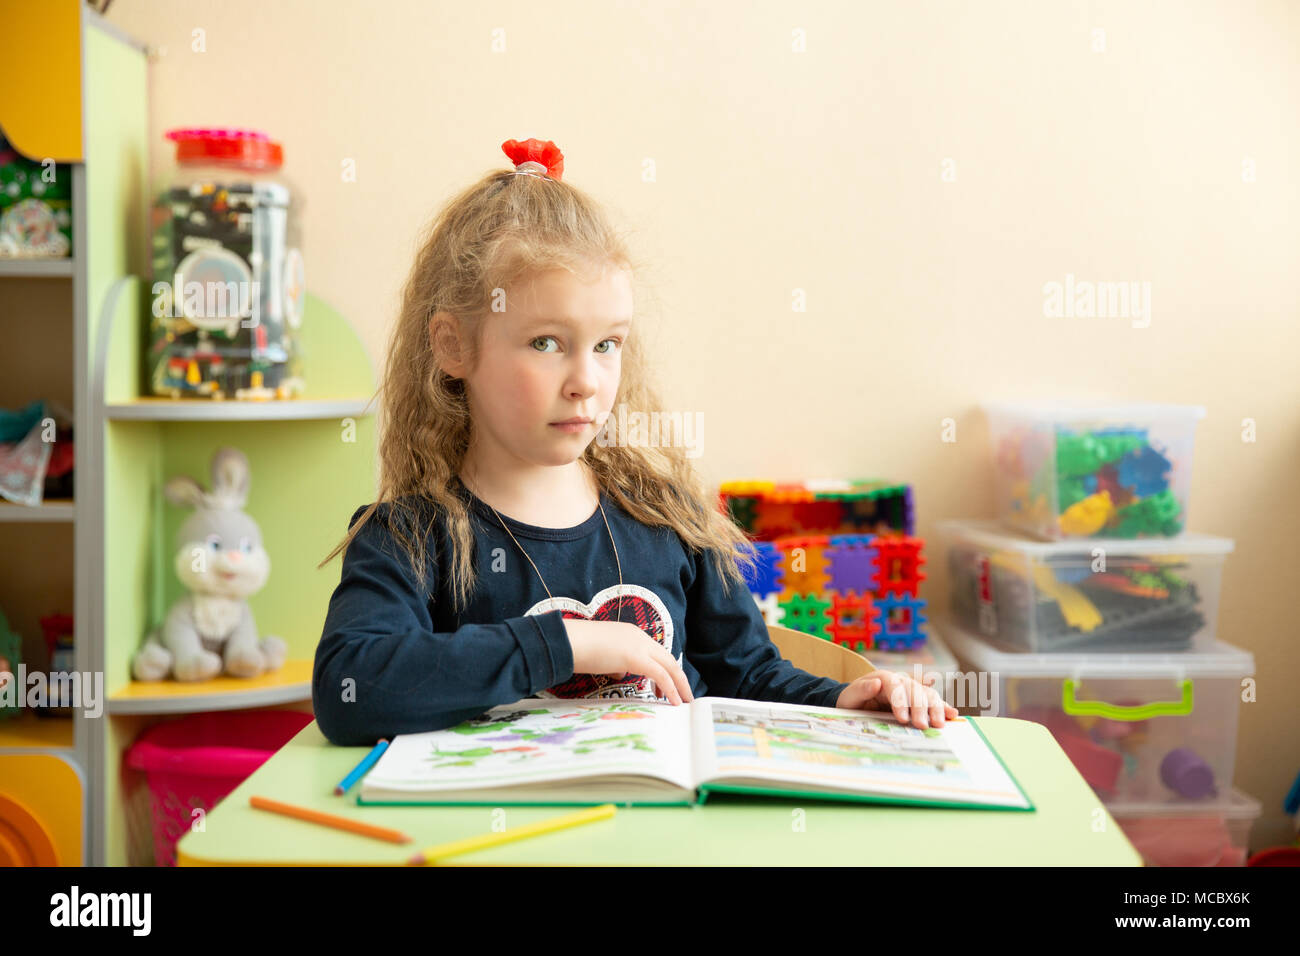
(631, 603)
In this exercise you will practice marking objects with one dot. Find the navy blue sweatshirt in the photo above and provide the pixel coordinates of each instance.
(395, 658)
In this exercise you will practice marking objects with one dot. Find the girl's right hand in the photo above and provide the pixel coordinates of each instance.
(619, 647)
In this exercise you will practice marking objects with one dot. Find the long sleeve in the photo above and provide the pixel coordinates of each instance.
(405, 678)
(728, 643)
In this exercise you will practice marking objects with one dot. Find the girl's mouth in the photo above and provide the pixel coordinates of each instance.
(571, 428)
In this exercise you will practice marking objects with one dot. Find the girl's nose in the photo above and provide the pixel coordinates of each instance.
(582, 382)
(234, 557)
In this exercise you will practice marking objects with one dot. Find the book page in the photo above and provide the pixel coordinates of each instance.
(868, 752)
(536, 740)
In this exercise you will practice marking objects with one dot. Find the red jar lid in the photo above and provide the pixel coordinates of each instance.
(243, 147)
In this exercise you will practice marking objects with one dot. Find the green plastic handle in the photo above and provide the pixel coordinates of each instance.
(1098, 708)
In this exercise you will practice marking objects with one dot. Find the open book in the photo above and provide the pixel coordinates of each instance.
(583, 751)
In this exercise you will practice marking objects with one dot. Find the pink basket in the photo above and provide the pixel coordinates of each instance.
(192, 763)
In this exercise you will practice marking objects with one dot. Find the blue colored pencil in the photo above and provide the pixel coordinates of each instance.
(366, 763)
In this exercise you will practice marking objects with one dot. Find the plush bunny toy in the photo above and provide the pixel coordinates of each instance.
(220, 560)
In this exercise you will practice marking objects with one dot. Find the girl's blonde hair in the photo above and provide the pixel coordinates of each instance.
(495, 233)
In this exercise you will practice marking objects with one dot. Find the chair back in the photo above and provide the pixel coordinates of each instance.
(816, 656)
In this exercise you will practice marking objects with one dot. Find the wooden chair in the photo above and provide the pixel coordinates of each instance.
(816, 656)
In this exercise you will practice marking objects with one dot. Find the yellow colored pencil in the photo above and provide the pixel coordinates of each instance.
(443, 850)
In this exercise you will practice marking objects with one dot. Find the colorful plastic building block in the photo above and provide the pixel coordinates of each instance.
(1159, 514)
(767, 573)
(1144, 470)
(1079, 455)
(770, 606)
(1088, 516)
(819, 507)
(802, 570)
(853, 563)
(1103, 483)
(855, 621)
(901, 620)
(834, 558)
(807, 613)
(898, 563)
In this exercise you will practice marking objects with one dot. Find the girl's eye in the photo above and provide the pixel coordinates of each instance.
(245, 546)
(214, 542)
(543, 338)
(614, 343)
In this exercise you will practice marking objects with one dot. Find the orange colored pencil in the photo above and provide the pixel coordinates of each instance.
(329, 820)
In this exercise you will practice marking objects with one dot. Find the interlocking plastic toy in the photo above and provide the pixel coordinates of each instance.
(819, 507)
(834, 559)
(1110, 482)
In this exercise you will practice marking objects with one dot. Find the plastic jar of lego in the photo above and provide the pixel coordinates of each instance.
(228, 280)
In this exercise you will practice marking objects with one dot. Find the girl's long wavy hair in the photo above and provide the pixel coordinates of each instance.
(495, 233)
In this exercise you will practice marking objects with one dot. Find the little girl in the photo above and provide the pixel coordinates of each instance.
(518, 549)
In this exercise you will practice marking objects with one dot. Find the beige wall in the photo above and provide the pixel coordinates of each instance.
(822, 171)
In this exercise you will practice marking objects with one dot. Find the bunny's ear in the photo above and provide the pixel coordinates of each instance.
(230, 477)
(184, 491)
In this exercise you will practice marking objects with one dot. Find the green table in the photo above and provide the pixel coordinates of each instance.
(1070, 827)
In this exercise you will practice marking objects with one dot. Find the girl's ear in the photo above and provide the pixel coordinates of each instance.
(444, 341)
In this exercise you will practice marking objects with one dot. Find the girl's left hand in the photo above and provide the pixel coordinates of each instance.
(911, 701)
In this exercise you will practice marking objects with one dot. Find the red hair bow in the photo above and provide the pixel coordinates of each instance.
(537, 151)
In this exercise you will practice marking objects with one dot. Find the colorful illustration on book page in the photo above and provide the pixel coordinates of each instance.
(758, 735)
(559, 736)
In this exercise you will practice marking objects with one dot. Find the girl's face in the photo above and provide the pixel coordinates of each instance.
(552, 356)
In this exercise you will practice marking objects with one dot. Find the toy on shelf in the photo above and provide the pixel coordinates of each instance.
(220, 559)
(59, 632)
(834, 559)
(11, 655)
(36, 453)
(1103, 472)
(229, 283)
(35, 207)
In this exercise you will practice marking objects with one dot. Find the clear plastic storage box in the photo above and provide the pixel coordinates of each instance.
(1108, 471)
(1140, 728)
(1190, 833)
(1151, 595)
